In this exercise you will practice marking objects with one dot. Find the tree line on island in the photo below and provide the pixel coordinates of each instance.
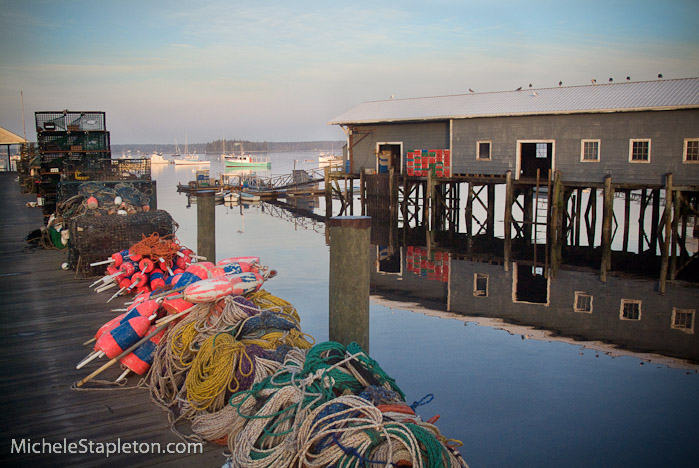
(231, 146)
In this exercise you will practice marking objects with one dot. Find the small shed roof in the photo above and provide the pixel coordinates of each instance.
(9, 138)
(609, 97)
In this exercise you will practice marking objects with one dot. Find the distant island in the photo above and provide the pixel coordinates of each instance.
(232, 146)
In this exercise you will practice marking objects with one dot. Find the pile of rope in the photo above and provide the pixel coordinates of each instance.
(241, 373)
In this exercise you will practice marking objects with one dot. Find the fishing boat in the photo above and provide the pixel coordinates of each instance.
(329, 159)
(157, 158)
(246, 160)
(231, 197)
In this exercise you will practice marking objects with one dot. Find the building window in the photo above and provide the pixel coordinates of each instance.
(480, 285)
(542, 150)
(630, 309)
(483, 150)
(589, 150)
(691, 150)
(583, 302)
(683, 319)
(639, 151)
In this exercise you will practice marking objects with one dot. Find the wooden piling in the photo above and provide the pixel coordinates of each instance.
(206, 225)
(607, 216)
(328, 193)
(350, 267)
(508, 219)
(627, 220)
(675, 226)
(667, 222)
(557, 211)
(362, 190)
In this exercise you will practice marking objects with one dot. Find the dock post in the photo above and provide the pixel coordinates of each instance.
(667, 235)
(675, 234)
(607, 215)
(350, 267)
(362, 190)
(328, 193)
(206, 225)
(557, 212)
(508, 219)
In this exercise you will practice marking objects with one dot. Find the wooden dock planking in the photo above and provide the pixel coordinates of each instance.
(45, 316)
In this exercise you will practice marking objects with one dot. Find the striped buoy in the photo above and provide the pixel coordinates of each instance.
(120, 338)
(208, 290)
(109, 326)
(245, 283)
(174, 304)
(144, 309)
(248, 259)
(140, 360)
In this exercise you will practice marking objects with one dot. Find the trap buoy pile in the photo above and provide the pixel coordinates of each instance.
(231, 365)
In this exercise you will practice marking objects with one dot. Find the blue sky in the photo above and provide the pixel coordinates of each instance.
(271, 70)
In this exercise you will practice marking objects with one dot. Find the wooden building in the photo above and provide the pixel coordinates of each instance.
(637, 132)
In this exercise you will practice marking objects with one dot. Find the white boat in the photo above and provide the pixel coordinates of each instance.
(247, 197)
(157, 158)
(190, 159)
(231, 197)
(329, 159)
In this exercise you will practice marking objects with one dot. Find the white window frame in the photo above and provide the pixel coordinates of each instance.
(518, 151)
(630, 301)
(579, 294)
(684, 152)
(476, 291)
(490, 150)
(690, 329)
(582, 150)
(376, 153)
(639, 140)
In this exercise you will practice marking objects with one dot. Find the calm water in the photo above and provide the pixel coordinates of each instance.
(511, 401)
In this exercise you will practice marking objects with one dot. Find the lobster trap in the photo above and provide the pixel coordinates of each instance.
(95, 238)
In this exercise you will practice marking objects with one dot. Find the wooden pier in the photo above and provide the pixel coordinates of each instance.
(45, 315)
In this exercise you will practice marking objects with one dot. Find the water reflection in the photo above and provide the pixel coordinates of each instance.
(623, 313)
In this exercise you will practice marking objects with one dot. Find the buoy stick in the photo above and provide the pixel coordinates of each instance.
(104, 288)
(123, 375)
(90, 357)
(103, 262)
(91, 340)
(164, 324)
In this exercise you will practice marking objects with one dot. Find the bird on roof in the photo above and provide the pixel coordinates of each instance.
(530, 85)
(560, 83)
(470, 90)
(628, 78)
(611, 79)
(519, 89)
(594, 81)
(660, 75)
(392, 96)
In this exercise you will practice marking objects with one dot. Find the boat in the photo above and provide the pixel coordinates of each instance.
(231, 197)
(190, 159)
(329, 159)
(246, 160)
(248, 197)
(157, 158)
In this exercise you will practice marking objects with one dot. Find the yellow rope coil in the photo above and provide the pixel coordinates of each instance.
(213, 370)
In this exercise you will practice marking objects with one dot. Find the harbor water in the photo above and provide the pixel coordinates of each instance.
(514, 395)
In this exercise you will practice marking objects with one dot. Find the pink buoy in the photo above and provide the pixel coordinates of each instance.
(144, 309)
(245, 283)
(175, 304)
(208, 290)
(249, 259)
(198, 270)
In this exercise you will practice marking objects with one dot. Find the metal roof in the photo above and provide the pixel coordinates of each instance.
(609, 97)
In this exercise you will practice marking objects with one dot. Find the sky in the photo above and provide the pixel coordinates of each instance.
(279, 71)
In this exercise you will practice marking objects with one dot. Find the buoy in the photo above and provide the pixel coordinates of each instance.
(157, 280)
(174, 304)
(147, 308)
(208, 290)
(120, 338)
(199, 270)
(245, 283)
(146, 265)
(140, 360)
(239, 260)
(112, 324)
(91, 203)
